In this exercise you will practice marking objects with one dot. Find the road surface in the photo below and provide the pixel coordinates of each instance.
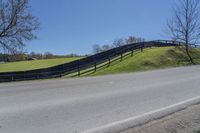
(77, 105)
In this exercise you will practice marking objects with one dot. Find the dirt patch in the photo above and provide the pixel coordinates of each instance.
(185, 121)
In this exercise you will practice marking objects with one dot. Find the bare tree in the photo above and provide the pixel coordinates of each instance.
(119, 42)
(185, 24)
(106, 47)
(96, 48)
(17, 24)
(48, 55)
(35, 55)
(133, 39)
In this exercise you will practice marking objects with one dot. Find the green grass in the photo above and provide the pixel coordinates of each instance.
(35, 64)
(150, 59)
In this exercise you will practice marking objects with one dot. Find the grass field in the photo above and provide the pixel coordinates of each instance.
(35, 64)
(149, 59)
(152, 58)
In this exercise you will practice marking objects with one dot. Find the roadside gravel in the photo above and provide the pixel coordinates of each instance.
(185, 121)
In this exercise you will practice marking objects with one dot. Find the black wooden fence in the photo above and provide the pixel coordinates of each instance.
(84, 64)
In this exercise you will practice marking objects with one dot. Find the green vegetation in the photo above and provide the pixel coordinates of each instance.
(35, 64)
(149, 59)
(152, 58)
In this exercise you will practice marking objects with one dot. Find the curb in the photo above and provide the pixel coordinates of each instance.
(136, 121)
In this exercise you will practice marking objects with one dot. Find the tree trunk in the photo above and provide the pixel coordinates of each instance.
(188, 53)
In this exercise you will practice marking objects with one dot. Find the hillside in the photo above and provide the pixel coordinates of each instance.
(152, 58)
(35, 64)
(149, 59)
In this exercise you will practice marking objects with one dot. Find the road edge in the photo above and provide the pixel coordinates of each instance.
(140, 120)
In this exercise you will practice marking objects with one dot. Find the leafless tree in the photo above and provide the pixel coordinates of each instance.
(185, 24)
(133, 39)
(48, 55)
(106, 47)
(96, 48)
(17, 24)
(119, 42)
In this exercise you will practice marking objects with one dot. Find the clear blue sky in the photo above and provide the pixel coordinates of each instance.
(73, 26)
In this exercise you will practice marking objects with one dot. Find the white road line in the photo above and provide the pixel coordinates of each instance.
(144, 118)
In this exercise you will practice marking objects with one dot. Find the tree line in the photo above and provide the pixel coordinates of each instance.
(33, 56)
(97, 48)
(18, 25)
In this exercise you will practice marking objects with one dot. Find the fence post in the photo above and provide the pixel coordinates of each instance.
(12, 78)
(95, 66)
(38, 76)
(62, 71)
(60, 74)
(132, 53)
(142, 47)
(95, 63)
(79, 73)
(109, 62)
(121, 56)
(24, 75)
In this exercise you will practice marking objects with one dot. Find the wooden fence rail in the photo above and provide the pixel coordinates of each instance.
(86, 64)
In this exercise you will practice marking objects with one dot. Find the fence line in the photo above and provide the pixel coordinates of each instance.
(85, 63)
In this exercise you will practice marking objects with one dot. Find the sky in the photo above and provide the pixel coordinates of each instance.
(74, 26)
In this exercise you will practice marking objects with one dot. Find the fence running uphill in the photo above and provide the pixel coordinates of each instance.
(75, 67)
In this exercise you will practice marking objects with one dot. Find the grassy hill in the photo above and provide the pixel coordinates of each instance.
(149, 59)
(35, 64)
(152, 58)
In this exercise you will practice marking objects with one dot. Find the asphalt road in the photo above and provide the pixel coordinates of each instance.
(76, 105)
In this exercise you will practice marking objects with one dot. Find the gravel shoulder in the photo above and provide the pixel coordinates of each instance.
(185, 121)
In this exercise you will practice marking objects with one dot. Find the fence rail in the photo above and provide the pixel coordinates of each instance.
(75, 67)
